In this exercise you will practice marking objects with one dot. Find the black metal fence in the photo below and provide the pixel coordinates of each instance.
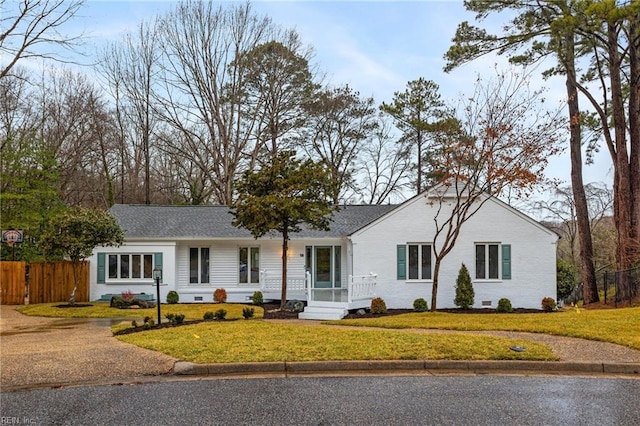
(614, 282)
(608, 283)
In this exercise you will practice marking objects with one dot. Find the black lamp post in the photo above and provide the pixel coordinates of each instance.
(157, 276)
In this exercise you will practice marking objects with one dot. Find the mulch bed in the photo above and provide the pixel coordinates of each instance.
(355, 315)
(271, 311)
(165, 325)
(75, 305)
(489, 311)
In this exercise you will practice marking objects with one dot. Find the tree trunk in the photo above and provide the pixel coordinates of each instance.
(434, 287)
(622, 202)
(634, 139)
(634, 126)
(74, 267)
(587, 270)
(285, 248)
(419, 177)
(147, 170)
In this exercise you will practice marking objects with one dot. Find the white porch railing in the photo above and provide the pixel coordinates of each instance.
(362, 287)
(274, 283)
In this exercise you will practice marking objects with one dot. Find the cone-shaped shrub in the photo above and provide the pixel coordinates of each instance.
(464, 289)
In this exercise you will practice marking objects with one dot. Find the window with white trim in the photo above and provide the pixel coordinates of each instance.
(419, 261)
(199, 265)
(249, 265)
(414, 261)
(129, 266)
(487, 261)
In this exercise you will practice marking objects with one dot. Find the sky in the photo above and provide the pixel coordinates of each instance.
(374, 46)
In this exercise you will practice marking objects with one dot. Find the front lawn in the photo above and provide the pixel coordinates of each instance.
(261, 341)
(192, 311)
(621, 326)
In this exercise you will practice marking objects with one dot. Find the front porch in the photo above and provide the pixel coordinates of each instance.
(323, 303)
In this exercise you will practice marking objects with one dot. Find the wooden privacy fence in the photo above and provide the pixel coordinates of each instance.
(12, 283)
(48, 282)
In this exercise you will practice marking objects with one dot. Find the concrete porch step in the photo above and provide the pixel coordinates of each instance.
(322, 313)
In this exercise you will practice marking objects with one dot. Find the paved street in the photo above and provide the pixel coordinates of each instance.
(388, 400)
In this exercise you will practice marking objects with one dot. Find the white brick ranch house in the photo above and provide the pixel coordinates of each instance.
(371, 250)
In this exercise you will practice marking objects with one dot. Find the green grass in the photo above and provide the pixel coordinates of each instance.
(102, 310)
(261, 341)
(621, 326)
(256, 340)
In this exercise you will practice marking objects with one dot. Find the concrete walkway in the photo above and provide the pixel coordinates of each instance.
(37, 351)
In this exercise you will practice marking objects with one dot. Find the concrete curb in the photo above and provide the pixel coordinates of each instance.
(184, 368)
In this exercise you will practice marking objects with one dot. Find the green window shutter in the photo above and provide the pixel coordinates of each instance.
(157, 258)
(402, 261)
(506, 261)
(101, 268)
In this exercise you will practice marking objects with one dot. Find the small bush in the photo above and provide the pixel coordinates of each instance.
(118, 302)
(378, 306)
(134, 324)
(208, 316)
(257, 298)
(148, 323)
(175, 319)
(220, 314)
(420, 305)
(504, 305)
(220, 295)
(173, 297)
(248, 312)
(548, 304)
(464, 289)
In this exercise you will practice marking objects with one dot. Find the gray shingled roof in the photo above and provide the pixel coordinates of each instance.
(187, 222)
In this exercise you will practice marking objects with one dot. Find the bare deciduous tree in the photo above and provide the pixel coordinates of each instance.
(73, 121)
(130, 68)
(339, 122)
(202, 86)
(31, 29)
(382, 167)
(503, 142)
